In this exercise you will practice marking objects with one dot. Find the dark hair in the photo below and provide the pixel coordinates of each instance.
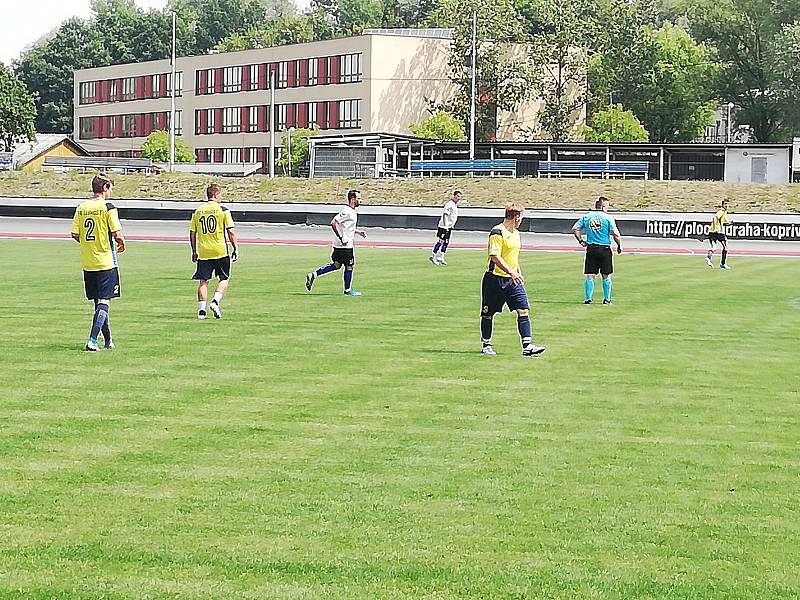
(213, 190)
(599, 203)
(352, 194)
(457, 193)
(513, 210)
(100, 183)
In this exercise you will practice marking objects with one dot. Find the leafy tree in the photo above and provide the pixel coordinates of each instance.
(130, 34)
(614, 125)
(156, 148)
(665, 77)
(299, 149)
(502, 79)
(278, 32)
(351, 17)
(439, 126)
(748, 36)
(17, 111)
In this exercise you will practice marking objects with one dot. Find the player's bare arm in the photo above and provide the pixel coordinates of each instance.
(193, 242)
(117, 235)
(337, 229)
(618, 240)
(577, 233)
(362, 233)
(234, 240)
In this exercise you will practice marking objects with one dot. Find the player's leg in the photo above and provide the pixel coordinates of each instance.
(434, 257)
(349, 258)
(332, 266)
(491, 303)
(588, 288)
(98, 321)
(607, 289)
(445, 244)
(106, 330)
(202, 297)
(606, 269)
(590, 270)
(712, 246)
(222, 268)
(723, 263)
(518, 301)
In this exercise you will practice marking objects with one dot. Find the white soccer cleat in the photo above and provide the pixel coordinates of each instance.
(442, 261)
(310, 278)
(434, 260)
(91, 346)
(532, 350)
(708, 262)
(726, 267)
(216, 310)
(110, 345)
(488, 350)
(201, 315)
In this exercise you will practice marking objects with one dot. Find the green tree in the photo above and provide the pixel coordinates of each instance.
(614, 125)
(299, 149)
(666, 78)
(439, 126)
(17, 111)
(156, 148)
(748, 37)
(278, 32)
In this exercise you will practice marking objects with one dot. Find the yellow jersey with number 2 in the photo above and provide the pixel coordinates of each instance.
(93, 223)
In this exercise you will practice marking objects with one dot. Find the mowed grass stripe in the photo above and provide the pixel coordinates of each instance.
(313, 446)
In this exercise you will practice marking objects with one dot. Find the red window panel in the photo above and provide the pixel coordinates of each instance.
(290, 115)
(218, 80)
(272, 70)
(263, 123)
(263, 79)
(304, 72)
(322, 70)
(118, 126)
(202, 82)
(246, 78)
(261, 156)
(292, 75)
(321, 121)
(302, 115)
(244, 119)
(218, 155)
(138, 121)
(333, 115)
(217, 120)
(147, 125)
(139, 87)
(147, 87)
(333, 75)
(118, 97)
(106, 127)
(162, 121)
(163, 87)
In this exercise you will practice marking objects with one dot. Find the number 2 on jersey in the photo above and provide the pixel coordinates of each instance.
(89, 225)
(208, 224)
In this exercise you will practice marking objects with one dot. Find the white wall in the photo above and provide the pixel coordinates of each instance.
(739, 164)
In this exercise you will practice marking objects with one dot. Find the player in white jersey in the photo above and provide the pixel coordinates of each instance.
(344, 226)
(446, 224)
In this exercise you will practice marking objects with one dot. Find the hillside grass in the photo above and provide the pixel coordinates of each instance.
(534, 193)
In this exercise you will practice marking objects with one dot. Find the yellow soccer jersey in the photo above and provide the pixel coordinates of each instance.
(211, 222)
(505, 244)
(94, 222)
(719, 221)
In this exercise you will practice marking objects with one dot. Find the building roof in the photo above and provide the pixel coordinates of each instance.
(27, 151)
(438, 33)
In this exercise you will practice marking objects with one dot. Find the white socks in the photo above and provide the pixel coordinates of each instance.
(201, 305)
(217, 297)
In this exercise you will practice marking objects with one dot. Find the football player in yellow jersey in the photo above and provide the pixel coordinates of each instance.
(503, 283)
(211, 228)
(716, 235)
(96, 228)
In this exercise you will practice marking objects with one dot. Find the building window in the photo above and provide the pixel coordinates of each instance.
(232, 81)
(179, 83)
(210, 125)
(112, 126)
(312, 115)
(210, 77)
(283, 74)
(253, 122)
(87, 128)
(349, 114)
(178, 122)
(112, 90)
(280, 117)
(350, 68)
(88, 90)
(253, 77)
(128, 88)
(156, 79)
(128, 125)
(313, 71)
(232, 155)
(231, 120)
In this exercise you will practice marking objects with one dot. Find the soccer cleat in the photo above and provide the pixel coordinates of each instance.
(606, 301)
(726, 267)
(201, 314)
(110, 345)
(352, 293)
(434, 260)
(91, 346)
(216, 310)
(310, 278)
(708, 262)
(532, 350)
(488, 351)
(442, 261)
(587, 301)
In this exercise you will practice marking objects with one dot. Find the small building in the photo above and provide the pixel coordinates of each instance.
(757, 163)
(29, 156)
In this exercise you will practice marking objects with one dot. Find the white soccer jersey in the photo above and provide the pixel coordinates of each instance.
(449, 215)
(347, 219)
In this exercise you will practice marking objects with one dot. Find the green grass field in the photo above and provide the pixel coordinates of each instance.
(323, 447)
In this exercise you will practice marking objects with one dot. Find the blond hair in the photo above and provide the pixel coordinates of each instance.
(513, 210)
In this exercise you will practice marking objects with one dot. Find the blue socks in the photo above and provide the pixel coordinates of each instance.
(326, 269)
(99, 321)
(348, 279)
(436, 247)
(524, 327)
(486, 331)
(607, 289)
(588, 288)
(444, 247)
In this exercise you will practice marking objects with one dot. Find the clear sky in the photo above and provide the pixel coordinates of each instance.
(25, 21)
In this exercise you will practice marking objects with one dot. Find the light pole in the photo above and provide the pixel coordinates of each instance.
(272, 124)
(289, 133)
(728, 128)
(473, 86)
(172, 101)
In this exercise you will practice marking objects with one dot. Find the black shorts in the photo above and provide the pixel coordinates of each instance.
(443, 234)
(206, 269)
(599, 259)
(101, 285)
(344, 256)
(497, 292)
(717, 237)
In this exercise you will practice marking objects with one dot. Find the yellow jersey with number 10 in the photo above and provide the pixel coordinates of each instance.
(210, 222)
(93, 223)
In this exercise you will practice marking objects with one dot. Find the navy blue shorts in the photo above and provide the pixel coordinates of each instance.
(101, 285)
(344, 256)
(207, 268)
(497, 292)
